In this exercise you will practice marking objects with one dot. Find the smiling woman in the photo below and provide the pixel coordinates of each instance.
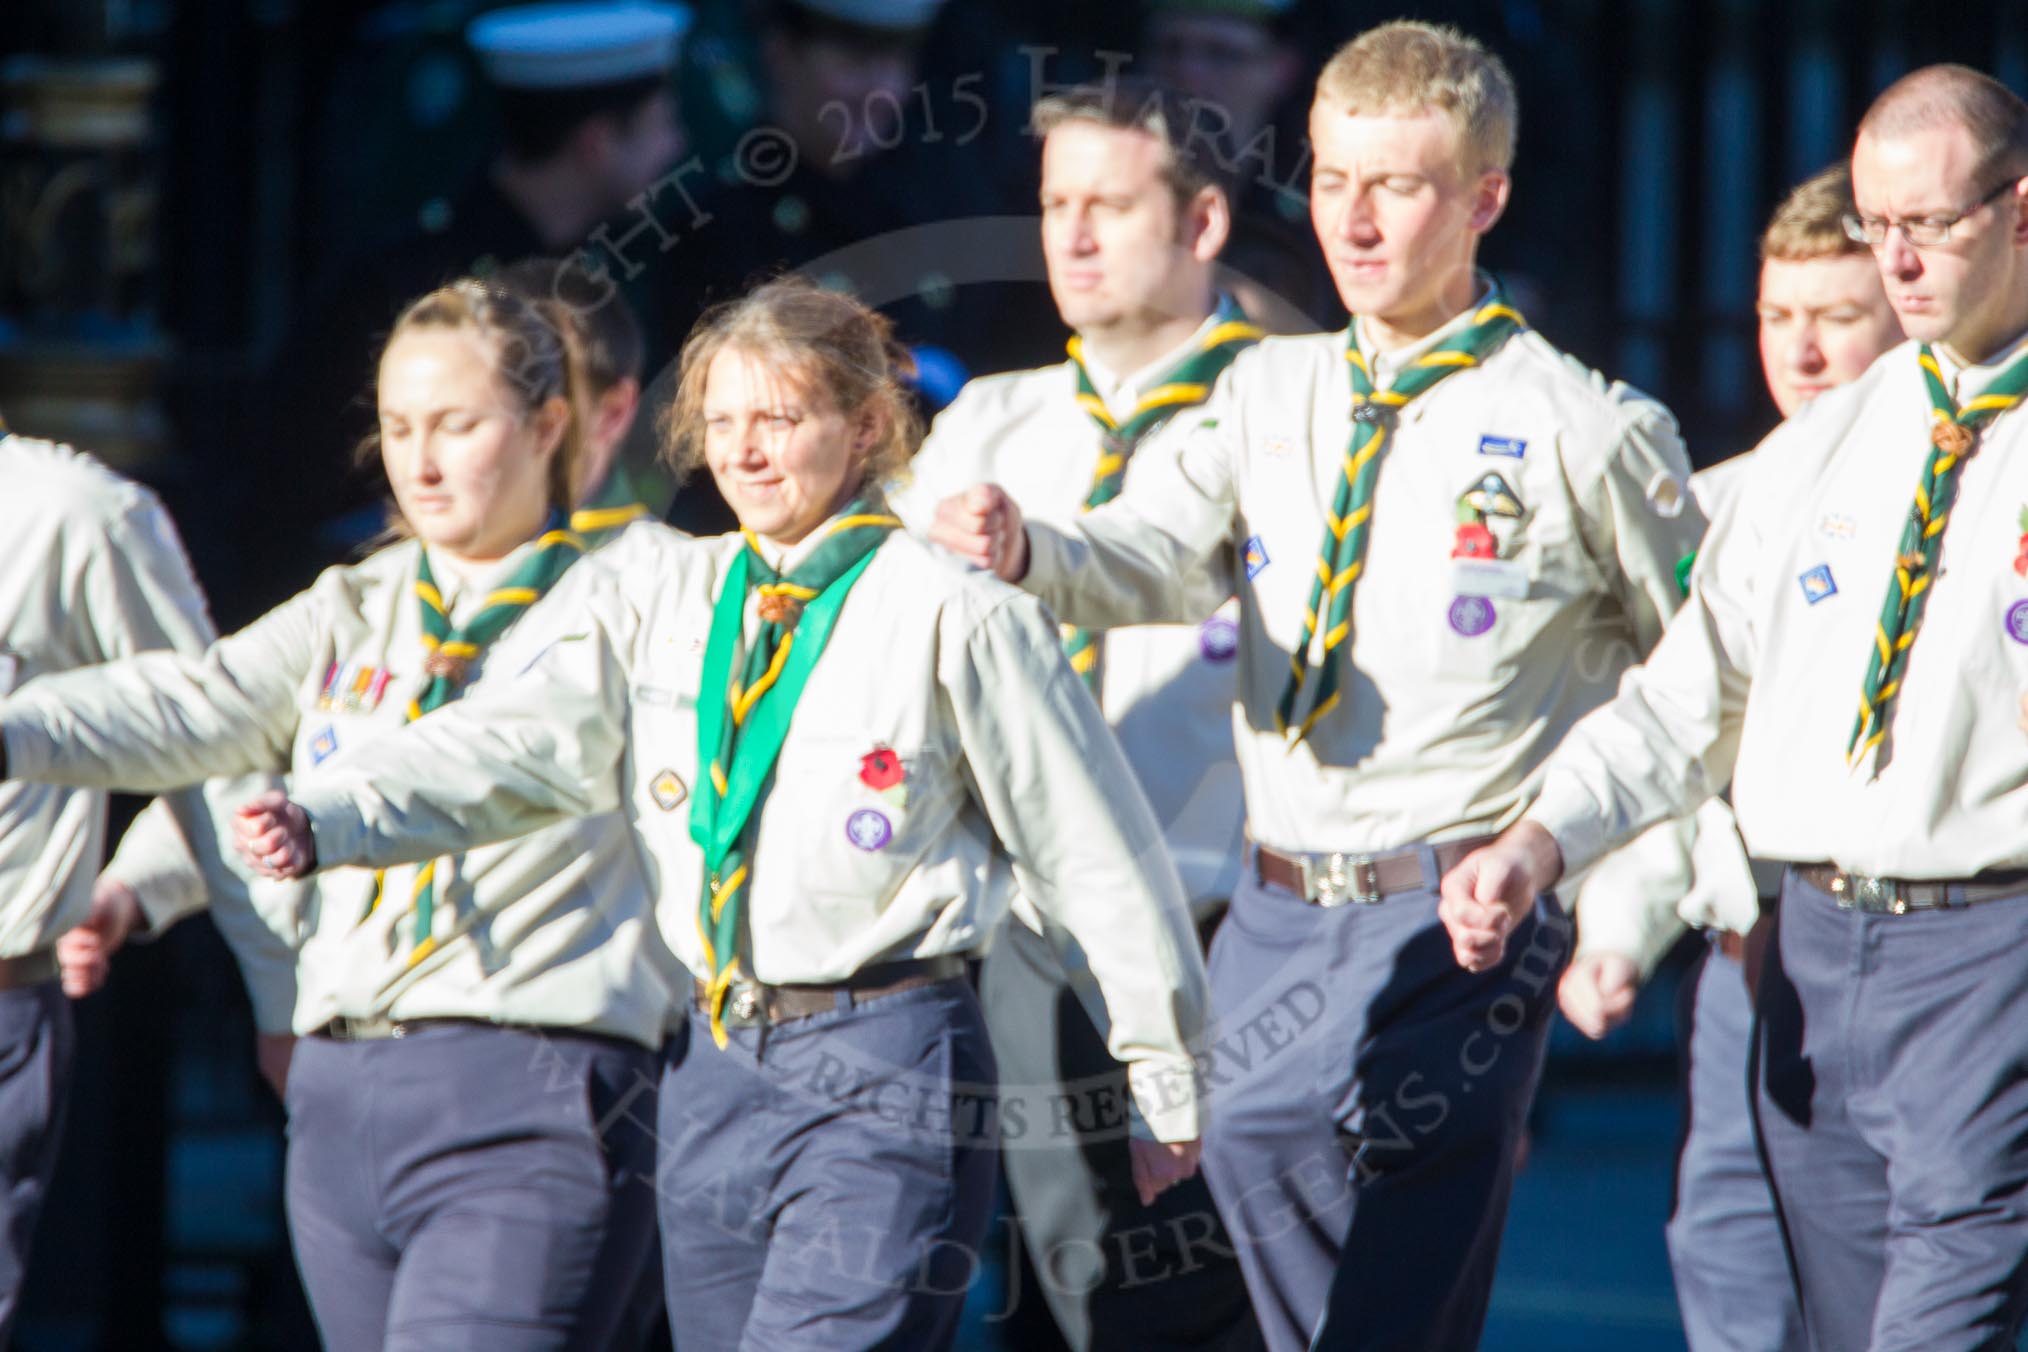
(791, 397)
(861, 736)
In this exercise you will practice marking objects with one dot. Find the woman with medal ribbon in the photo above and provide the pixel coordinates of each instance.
(831, 740)
(470, 1098)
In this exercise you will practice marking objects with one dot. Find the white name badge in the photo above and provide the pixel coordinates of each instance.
(1489, 577)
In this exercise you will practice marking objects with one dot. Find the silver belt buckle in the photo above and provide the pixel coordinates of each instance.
(1332, 880)
(743, 1005)
(1878, 895)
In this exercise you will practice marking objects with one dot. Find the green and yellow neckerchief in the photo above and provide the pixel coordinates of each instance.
(448, 653)
(747, 701)
(1953, 436)
(1342, 555)
(1182, 386)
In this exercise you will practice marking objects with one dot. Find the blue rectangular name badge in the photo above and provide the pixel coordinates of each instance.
(1817, 584)
(1255, 556)
(1511, 447)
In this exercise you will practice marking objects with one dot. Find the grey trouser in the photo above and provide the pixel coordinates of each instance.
(1893, 1107)
(1367, 1097)
(36, 1043)
(470, 1188)
(827, 1184)
(1114, 1273)
(1725, 1242)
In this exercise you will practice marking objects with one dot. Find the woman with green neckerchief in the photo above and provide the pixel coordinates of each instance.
(469, 1096)
(831, 740)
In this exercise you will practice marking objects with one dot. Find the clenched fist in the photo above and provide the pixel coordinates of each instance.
(274, 835)
(84, 955)
(982, 526)
(1597, 993)
(1493, 888)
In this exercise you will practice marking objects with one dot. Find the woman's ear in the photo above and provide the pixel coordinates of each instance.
(868, 428)
(551, 420)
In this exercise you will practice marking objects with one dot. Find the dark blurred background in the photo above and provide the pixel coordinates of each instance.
(190, 189)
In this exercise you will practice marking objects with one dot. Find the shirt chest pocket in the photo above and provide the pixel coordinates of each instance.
(855, 813)
(353, 704)
(1488, 609)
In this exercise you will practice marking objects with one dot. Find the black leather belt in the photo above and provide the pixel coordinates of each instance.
(345, 1028)
(752, 1002)
(1363, 879)
(1899, 896)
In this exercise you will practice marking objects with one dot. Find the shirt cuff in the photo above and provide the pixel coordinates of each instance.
(28, 756)
(1631, 926)
(1165, 1099)
(1574, 819)
(166, 894)
(1048, 562)
(336, 829)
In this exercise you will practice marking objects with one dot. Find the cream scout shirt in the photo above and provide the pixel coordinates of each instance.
(1760, 679)
(1167, 690)
(1463, 673)
(552, 930)
(1003, 755)
(93, 571)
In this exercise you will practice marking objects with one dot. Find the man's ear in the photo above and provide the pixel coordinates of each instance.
(1489, 202)
(1207, 223)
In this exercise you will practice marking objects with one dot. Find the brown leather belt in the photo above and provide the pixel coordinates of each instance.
(1899, 896)
(1363, 879)
(753, 1003)
(30, 969)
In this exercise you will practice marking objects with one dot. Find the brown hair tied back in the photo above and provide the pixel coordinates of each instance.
(535, 352)
(826, 344)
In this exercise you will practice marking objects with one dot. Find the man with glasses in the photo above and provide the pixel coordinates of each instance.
(1849, 659)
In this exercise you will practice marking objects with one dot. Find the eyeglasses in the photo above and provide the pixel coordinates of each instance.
(1930, 230)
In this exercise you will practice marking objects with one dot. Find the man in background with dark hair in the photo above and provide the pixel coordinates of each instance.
(1132, 226)
(610, 348)
(1824, 318)
(588, 123)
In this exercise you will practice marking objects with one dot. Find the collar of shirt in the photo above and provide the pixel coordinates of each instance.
(1965, 379)
(465, 583)
(784, 559)
(1387, 364)
(1121, 393)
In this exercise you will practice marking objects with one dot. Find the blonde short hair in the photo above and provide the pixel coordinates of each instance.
(825, 343)
(1810, 222)
(1408, 66)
